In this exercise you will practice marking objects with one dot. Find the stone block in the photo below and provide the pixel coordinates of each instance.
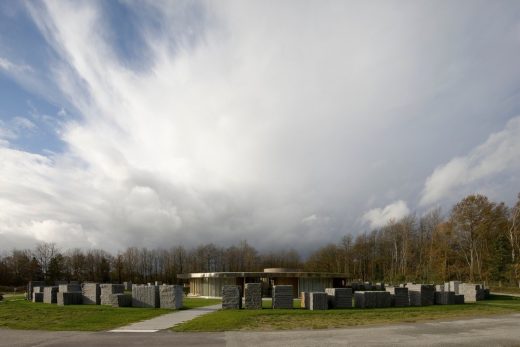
(253, 296)
(37, 297)
(231, 297)
(399, 296)
(145, 296)
(63, 288)
(282, 297)
(304, 299)
(107, 289)
(120, 300)
(383, 299)
(454, 286)
(365, 299)
(50, 295)
(171, 296)
(91, 293)
(421, 294)
(339, 297)
(444, 298)
(69, 298)
(472, 292)
(31, 286)
(318, 301)
(459, 299)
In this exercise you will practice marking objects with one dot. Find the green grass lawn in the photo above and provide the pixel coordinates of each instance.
(268, 319)
(16, 313)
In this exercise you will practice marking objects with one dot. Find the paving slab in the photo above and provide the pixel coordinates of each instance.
(166, 321)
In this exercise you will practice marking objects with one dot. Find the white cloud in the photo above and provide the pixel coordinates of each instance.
(250, 119)
(9, 66)
(379, 217)
(499, 155)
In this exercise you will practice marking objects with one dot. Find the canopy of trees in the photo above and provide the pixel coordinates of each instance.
(478, 241)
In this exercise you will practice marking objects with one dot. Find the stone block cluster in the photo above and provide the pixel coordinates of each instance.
(165, 296)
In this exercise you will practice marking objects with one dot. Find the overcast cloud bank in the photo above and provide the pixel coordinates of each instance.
(280, 123)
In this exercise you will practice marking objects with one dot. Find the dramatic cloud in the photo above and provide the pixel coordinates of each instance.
(495, 163)
(277, 122)
(379, 217)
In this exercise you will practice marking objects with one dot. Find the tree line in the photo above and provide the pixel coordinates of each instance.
(479, 240)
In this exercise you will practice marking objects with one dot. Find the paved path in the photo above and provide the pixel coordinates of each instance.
(491, 331)
(166, 321)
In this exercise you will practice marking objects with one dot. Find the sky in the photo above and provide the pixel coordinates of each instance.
(283, 123)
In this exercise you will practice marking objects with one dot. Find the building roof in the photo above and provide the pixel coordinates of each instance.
(262, 274)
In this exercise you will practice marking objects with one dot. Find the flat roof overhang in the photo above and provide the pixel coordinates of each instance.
(262, 275)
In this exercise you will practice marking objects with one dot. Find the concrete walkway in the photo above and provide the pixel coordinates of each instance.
(166, 320)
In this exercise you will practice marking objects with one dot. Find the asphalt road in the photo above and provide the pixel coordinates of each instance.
(494, 331)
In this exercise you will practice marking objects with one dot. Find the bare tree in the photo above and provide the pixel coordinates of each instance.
(44, 252)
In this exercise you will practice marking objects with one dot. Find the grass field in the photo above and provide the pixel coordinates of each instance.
(16, 313)
(268, 319)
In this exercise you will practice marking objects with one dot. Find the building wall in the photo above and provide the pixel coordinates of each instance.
(209, 286)
(212, 286)
(314, 284)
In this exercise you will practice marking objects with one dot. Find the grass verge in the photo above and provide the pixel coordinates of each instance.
(16, 313)
(267, 319)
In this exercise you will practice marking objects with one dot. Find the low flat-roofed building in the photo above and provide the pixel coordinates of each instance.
(210, 283)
